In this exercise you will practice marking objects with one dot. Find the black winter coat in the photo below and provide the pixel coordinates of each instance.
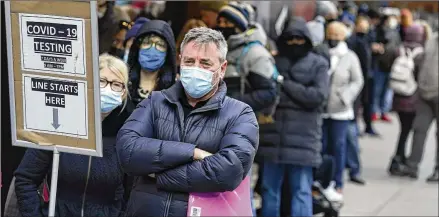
(295, 137)
(108, 26)
(103, 186)
(157, 139)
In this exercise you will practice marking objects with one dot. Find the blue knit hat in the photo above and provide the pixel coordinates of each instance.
(135, 28)
(235, 14)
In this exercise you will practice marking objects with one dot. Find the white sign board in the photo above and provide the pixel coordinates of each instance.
(55, 106)
(52, 44)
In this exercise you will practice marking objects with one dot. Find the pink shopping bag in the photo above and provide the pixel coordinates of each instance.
(230, 203)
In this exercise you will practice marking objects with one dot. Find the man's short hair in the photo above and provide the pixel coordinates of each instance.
(204, 36)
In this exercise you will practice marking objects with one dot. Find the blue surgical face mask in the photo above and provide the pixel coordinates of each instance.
(197, 82)
(110, 99)
(151, 59)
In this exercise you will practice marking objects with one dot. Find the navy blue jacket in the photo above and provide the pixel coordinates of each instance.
(361, 45)
(295, 137)
(157, 139)
(103, 194)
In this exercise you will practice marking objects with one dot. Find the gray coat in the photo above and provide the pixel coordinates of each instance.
(249, 76)
(346, 83)
(429, 75)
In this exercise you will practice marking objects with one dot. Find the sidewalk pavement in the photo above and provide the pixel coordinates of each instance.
(389, 196)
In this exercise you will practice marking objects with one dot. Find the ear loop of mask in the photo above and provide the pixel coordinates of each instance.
(220, 78)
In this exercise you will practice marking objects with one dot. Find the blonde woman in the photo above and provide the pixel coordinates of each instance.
(346, 82)
(87, 186)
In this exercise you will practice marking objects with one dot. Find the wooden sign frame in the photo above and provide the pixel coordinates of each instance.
(91, 144)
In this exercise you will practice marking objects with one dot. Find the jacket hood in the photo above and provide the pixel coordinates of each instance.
(254, 33)
(169, 70)
(296, 27)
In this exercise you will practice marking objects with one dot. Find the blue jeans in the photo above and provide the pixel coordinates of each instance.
(382, 102)
(352, 150)
(334, 143)
(301, 179)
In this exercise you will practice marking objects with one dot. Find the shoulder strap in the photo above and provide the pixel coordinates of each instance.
(403, 51)
(244, 52)
(417, 50)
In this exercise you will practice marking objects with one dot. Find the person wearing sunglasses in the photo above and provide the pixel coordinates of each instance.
(152, 60)
(87, 186)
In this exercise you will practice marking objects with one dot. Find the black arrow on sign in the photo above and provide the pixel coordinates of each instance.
(55, 123)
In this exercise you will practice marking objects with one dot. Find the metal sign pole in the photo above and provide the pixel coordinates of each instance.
(54, 182)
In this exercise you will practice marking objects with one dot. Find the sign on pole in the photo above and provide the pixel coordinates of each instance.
(54, 75)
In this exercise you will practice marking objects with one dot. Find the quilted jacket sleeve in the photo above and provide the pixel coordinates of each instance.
(310, 96)
(260, 77)
(28, 177)
(139, 153)
(222, 171)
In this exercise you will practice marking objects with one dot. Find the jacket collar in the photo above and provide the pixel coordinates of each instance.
(173, 94)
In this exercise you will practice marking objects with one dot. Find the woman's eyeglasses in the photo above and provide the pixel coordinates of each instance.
(159, 45)
(114, 85)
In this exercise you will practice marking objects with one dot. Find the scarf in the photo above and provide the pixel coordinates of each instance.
(336, 54)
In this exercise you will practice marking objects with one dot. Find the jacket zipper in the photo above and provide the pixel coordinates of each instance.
(168, 204)
(182, 137)
(86, 185)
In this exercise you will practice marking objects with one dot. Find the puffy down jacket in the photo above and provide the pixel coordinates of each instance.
(157, 139)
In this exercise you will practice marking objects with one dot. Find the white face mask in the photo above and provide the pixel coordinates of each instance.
(393, 23)
(348, 33)
(101, 11)
(101, 14)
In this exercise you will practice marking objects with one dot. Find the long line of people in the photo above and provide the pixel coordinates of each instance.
(171, 126)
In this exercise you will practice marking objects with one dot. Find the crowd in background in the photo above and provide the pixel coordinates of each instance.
(309, 87)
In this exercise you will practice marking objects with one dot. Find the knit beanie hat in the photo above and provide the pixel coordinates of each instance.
(135, 28)
(250, 11)
(212, 5)
(363, 9)
(347, 18)
(235, 14)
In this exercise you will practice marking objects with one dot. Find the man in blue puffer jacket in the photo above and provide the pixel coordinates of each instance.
(190, 137)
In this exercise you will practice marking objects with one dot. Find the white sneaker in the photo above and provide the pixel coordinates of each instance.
(331, 194)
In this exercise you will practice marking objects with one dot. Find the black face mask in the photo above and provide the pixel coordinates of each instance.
(117, 52)
(296, 51)
(333, 43)
(327, 22)
(227, 31)
(361, 34)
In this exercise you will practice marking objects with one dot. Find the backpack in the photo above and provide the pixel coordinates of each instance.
(402, 78)
(265, 116)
